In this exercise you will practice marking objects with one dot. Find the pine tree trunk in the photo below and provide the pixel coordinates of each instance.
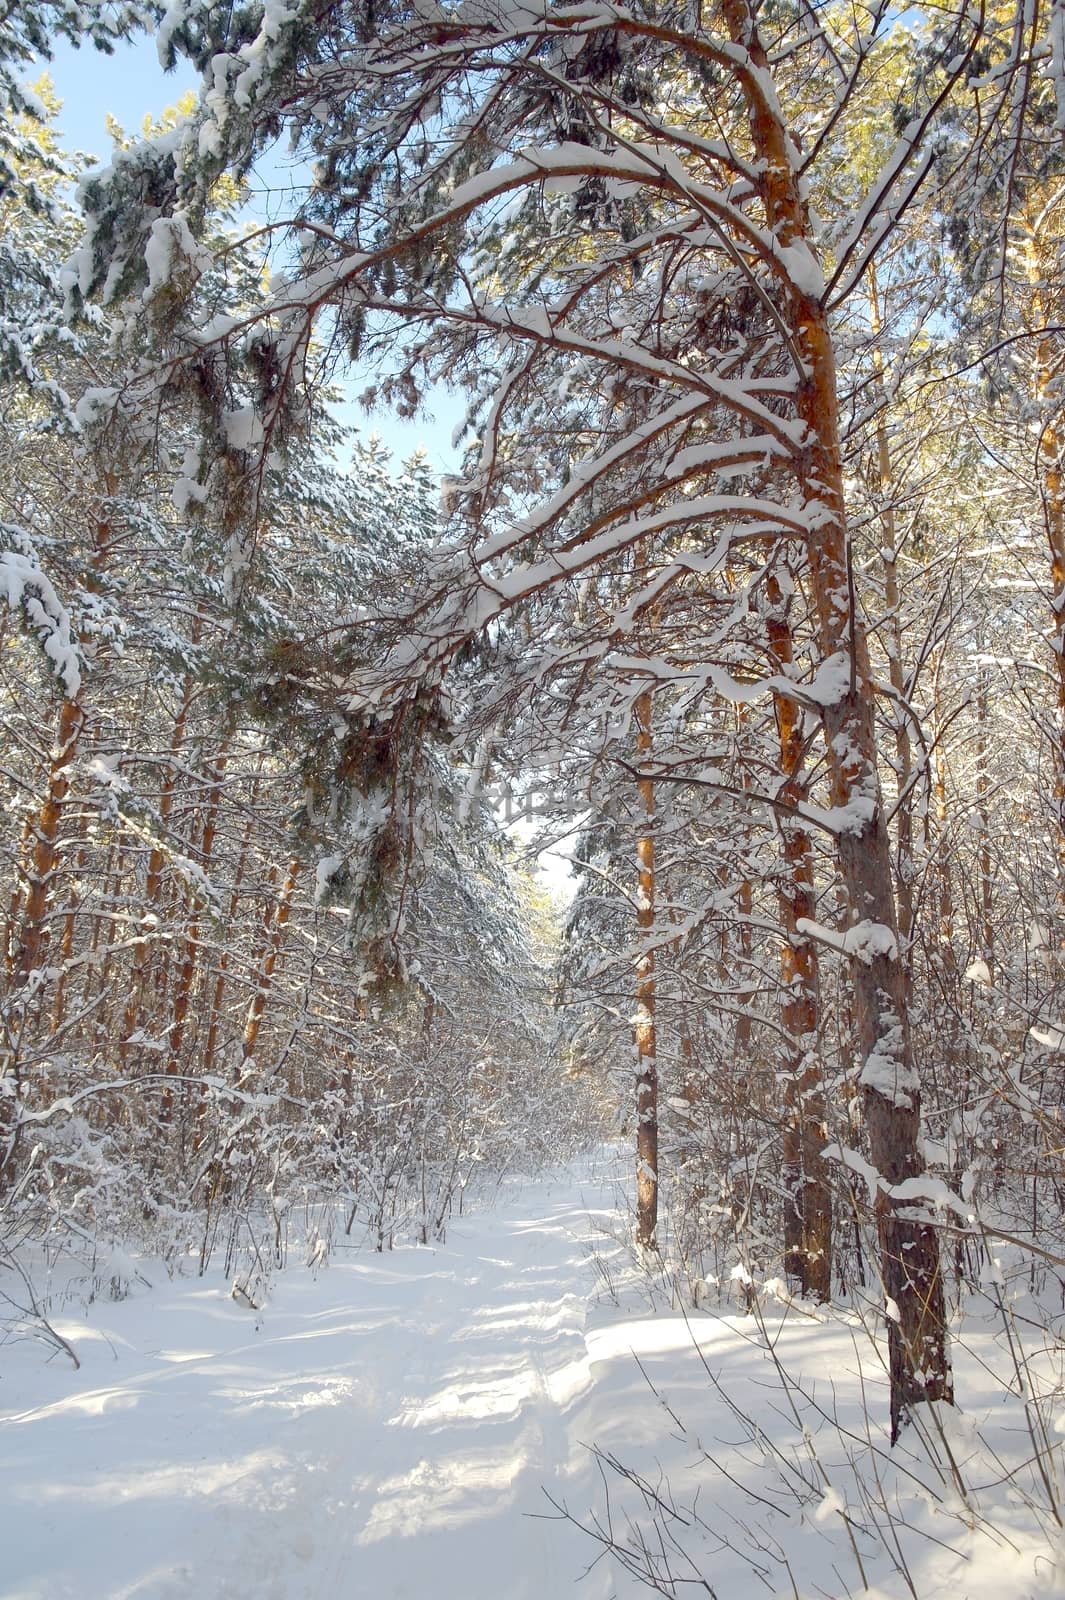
(889, 546)
(214, 1011)
(1050, 457)
(645, 1027)
(70, 923)
(153, 880)
(808, 1194)
(983, 789)
(253, 1020)
(945, 959)
(919, 1366)
(44, 859)
(32, 917)
(112, 879)
(190, 958)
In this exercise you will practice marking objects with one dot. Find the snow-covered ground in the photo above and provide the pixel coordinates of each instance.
(400, 1425)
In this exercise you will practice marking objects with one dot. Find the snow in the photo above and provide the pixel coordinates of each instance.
(866, 940)
(1055, 65)
(170, 248)
(243, 428)
(831, 1506)
(323, 876)
(886, 1073)
(188, 490)
(382, 1428)
(925, 1190)
(803, 268)
(1051, 1035)
(24, 586)
(407, 1424)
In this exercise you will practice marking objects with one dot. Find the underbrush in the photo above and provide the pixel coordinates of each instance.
(252, 1192)
(749, 1447)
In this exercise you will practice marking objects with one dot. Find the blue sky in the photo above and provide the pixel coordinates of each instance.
(131, 85)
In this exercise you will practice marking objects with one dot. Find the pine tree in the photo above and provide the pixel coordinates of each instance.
(651, 361)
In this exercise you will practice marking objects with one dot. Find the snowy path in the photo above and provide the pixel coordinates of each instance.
(386, 1429)
(386, 1432)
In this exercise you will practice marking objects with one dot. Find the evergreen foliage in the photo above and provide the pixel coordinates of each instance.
(753, 577)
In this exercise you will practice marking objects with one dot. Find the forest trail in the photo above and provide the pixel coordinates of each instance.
(386, 1428)
(389, 1427)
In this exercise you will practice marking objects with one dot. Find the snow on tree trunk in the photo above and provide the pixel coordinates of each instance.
(257, 1006)
(889, 550)
(154, 878)
(909, 1251)
(191, 956)
(645, 1022)
(808, 1195)
(34, 930)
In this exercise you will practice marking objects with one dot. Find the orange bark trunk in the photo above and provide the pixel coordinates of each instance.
(919, 1365)
(253, 1021)
(33, 943)
(190, 959)
(153, 881)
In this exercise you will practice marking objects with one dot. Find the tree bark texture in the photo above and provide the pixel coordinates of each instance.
(645, 1021)
(1050, 458)
(44, 857)
(889, 548)
(190, 958)
(909, 1251)
(808, 1194)
(153, 882)
(268, 964)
